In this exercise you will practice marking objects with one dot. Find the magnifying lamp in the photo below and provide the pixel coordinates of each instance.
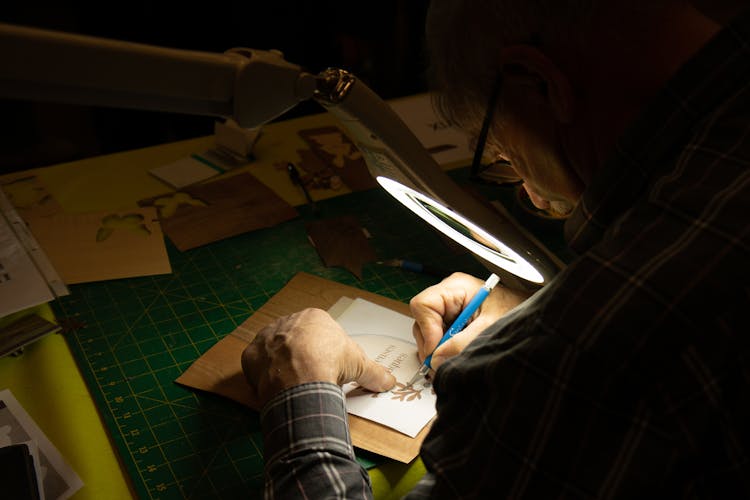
(252, 87)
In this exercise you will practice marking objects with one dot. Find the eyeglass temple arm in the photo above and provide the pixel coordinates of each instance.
(482, 139)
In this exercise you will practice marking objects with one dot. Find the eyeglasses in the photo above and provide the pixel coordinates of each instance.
(499, 171)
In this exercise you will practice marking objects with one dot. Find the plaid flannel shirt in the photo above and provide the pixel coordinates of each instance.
(628, 375)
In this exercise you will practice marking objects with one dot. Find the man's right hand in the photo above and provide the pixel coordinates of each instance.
(435, 308)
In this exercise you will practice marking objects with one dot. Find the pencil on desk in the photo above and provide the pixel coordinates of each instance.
(296, 179)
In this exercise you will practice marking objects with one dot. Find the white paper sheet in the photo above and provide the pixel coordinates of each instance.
(386, 337)
(59, 480)
(184, 172)
(21, 284)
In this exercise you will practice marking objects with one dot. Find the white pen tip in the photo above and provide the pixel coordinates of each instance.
(493, 280)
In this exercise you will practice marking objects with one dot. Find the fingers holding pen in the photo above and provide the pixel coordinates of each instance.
(454, 346)
(436, 307)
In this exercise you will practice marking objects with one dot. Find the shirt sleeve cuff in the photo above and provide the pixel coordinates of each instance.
(307, 417)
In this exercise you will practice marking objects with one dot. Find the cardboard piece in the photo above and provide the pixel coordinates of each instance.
(340, 241)
(203, 213)
(219, 370)
(99, 246)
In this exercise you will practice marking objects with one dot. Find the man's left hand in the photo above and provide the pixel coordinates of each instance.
(308, 346)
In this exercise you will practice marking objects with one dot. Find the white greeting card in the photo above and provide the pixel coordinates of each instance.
(386, 337)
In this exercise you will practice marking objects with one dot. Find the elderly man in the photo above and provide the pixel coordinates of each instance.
(628, 375)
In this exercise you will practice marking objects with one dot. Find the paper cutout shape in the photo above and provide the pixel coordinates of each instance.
(232, 205)
(341, 242)
(219, 370)
(90, 247)
(127, 222)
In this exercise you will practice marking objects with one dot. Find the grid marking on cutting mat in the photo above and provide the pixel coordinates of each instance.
(140, 334)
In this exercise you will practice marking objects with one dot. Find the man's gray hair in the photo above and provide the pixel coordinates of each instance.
(464, 39)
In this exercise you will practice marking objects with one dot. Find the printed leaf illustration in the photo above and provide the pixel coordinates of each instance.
(400, 392)
(129, 222)
(403, 392)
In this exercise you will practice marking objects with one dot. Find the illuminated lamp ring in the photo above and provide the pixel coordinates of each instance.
(417, 202)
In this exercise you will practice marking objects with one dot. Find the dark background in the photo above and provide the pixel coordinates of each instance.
(379, 41)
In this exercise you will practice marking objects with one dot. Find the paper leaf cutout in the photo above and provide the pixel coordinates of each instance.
(341, 242)
(129, 222)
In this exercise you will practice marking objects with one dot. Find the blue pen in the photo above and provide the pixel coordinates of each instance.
(459, 324)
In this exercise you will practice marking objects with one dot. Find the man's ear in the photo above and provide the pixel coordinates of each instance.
(528, 65)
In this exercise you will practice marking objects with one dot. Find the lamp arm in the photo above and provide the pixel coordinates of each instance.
(250, 86)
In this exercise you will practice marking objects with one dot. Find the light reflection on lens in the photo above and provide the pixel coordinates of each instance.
(462, 230)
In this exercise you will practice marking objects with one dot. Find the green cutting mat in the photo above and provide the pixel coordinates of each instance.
(133, 337)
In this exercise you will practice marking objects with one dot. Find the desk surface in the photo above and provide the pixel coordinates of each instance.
(49, 383)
